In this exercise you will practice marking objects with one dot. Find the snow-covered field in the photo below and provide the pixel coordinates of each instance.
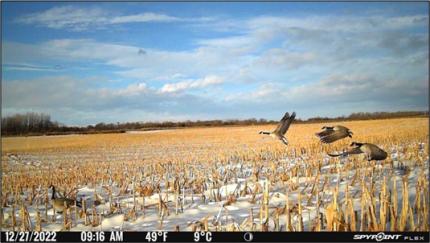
(286, 191)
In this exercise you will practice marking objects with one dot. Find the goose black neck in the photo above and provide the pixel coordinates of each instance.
(53, 192)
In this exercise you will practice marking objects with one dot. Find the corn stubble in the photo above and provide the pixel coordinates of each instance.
(285, 188)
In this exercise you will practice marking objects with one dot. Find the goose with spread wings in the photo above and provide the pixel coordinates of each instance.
(281, 130)
(371, 151)
(332, 134)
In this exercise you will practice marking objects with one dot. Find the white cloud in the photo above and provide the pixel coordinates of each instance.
(235, 44)
(191, 84)
(338, 94)
(267, 62)
(264, 92)
(154, 65)
(81, 101)
(80, 19)
(311, 42)
(131, 90)
(145, 17)
(347, 23)
(67, 17)
(31, 67)
(281, 58)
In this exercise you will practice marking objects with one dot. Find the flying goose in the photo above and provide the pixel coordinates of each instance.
(58, 203)
(371, 151)
(282, 128)
(331, 134)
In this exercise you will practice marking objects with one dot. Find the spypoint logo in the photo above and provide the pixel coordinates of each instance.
(378, 237)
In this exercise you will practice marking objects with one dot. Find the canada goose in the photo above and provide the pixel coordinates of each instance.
(98, 200)
(282, 128)
(372, 151)
(331, 134)
(58, 203)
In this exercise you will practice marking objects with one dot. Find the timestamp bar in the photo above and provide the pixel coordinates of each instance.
(165, 236)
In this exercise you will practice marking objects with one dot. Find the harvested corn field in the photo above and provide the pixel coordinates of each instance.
(219, 179)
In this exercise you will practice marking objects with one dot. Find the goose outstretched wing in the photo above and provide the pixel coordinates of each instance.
(327, 131)
(356, 150)
(285, 123)
(330, 135)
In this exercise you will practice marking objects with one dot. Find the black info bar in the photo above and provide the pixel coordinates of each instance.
(206, 236)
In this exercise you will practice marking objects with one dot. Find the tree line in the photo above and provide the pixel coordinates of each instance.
(27, 123)
(32, 123)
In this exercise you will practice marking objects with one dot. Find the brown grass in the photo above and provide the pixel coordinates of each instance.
(184, 159)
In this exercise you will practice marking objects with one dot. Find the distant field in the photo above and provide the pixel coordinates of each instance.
(371, 131)
(213, 177)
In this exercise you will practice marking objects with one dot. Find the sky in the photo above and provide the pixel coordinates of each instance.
(85, 63)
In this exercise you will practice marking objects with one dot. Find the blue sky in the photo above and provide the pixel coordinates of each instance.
(85, 63)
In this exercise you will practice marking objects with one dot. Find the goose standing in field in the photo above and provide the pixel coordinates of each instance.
(331, 134)
(284, 124)
(371, 151)
(58, 203)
